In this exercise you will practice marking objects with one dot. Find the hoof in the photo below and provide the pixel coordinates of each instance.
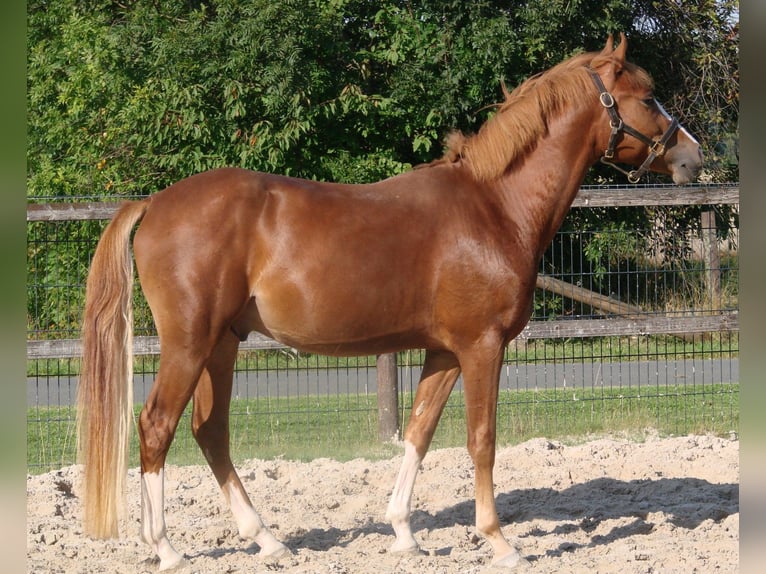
(409, 549)
(512, 561)
(275, 553)
(173, 565)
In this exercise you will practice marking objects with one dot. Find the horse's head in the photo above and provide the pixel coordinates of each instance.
(636, 129)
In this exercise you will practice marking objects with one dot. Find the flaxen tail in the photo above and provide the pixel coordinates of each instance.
(105, 389)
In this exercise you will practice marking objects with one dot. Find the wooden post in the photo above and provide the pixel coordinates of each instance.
(388, 398)
(712, 260)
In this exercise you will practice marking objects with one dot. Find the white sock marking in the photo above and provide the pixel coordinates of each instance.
(153, 519)
(250, 524)
(399, 507)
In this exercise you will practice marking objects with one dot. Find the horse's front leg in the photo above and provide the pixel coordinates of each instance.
(481, 378)
(440, 371)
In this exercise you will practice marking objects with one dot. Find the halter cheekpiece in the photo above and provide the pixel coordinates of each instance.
(656, 147)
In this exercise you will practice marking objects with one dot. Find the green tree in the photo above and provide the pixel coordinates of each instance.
(126, 97)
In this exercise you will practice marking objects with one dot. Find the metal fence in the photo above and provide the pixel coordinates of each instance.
(634, 327)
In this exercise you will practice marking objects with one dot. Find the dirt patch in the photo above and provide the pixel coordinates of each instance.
(665, 505)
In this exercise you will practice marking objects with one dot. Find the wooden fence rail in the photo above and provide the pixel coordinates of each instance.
(718, 194)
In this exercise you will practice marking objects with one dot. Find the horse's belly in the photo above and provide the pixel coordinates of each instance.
(335, 323)
(346, 339)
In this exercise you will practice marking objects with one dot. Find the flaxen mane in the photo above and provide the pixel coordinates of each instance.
(523, 118)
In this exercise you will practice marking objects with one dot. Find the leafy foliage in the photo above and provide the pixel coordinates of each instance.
(127, 97)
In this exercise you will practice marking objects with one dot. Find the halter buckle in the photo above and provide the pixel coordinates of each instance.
(606, 99)
(657, 148)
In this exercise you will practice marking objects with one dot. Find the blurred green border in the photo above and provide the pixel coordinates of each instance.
(752, 285)
(12, 294)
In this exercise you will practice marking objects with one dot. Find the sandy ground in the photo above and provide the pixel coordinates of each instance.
(661, 506)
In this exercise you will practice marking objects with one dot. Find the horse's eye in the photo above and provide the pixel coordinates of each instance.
(648, 102)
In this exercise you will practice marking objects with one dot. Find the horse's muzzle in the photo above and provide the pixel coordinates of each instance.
(685, 164)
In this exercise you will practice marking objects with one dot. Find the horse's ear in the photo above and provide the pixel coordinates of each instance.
(609, 47)
(619, 52)
(613, 58)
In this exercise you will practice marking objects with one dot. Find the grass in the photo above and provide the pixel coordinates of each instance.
(345, 426)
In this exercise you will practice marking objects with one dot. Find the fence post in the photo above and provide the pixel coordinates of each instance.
(388, 398)
(712, 259)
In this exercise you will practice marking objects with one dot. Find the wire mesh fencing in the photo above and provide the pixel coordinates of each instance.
(634, 328)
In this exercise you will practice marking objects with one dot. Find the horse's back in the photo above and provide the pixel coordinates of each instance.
(228, 207)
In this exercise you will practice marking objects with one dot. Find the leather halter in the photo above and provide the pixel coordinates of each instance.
(656, 146)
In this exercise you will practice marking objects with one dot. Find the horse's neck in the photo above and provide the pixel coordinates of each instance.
(539, 192)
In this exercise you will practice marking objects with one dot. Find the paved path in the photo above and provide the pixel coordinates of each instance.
(61, 391)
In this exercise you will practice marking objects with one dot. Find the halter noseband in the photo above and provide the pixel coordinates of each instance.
(656, 147)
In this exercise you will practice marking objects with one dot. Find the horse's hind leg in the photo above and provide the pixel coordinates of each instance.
(179, 370)
(210, 426)
(440, 371)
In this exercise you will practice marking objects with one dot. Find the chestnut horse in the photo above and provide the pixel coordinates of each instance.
(442, 258)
